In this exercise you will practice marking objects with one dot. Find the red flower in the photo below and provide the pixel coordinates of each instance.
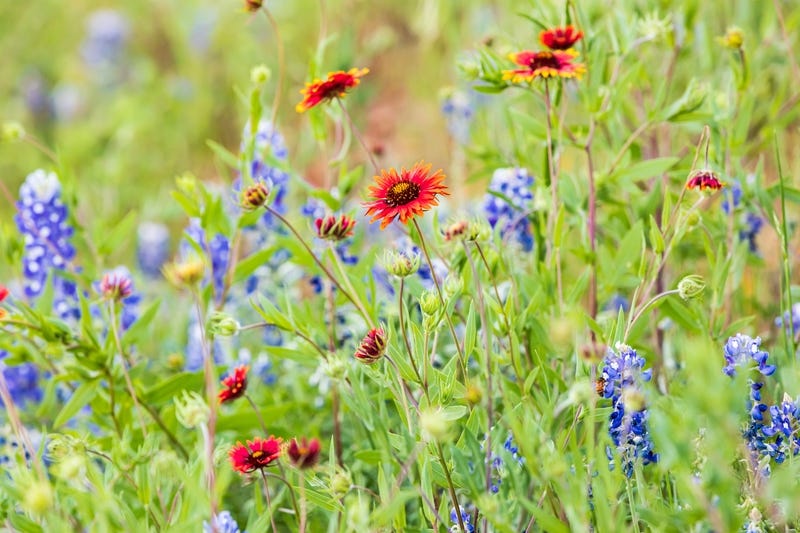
(256, 454)
(235, 384)
(3, 292)
(252, 5)
(116, 285)
(560, 38)
(333, 228)
(704, 179)
(335, 86)
(544, 64)
(304, 454)
(404, 194)
(372, 346)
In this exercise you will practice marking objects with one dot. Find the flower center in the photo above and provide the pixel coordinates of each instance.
(258, 454)
(402, 193)
(544, 60)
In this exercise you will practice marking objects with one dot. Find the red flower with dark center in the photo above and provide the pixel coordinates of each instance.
(544, 64)
(372, 346)
(332, 228)
(255, 455)
(304, 454)
(335, 86)
(704, 179)
(404, 194)
(235, 384)
(560, 38)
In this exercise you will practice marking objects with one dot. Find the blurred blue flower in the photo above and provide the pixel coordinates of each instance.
(740, 349)
(458, 108)
(793, 318)
(42, 218)
(508, 203)
(224, 523)
(152, 249)
(218, 250)
(752, 226)
(266, 142)
(616, 303)
(107, 33)
(732, 192)
(465, 517)
(22, 380)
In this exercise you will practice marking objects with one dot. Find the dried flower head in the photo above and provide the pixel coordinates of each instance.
(335, 85)
(560, 38)
(372, 346)
(333, 228)
(305, 453)
(404, 194)
(255, 455)
(234, 385)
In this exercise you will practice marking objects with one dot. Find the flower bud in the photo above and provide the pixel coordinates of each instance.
(12, 131)
(191, 410)
(457, 230)
(252, 5)
(61, 446)
(189, 271)
(38, 498)
(187, 184)
(334, 368)
(175, 361)
(704, 179)
(254, 196)
(435, 426)
(222, 325)
(332, 228)
(453, 285)
(733, 38)
(429, 303)
(341, 483)
(691, 286)
(372, 346)
(260, 74)
(473, 395)
(116, 285)
(400, 264)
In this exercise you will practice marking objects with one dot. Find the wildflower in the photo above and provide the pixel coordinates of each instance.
(401, 263)
(752, 226)
(704, 179)
(790, 318)
(223, 522)
(507, 203)
(22, 380)
(332, 228)
(303, 454)
(252, 5)
(455, 230)
(42, 218)
(335, 85)
(560, 38)
(152, 247)
(785, 427)
(732, 197)
(458, 109)
(187, 272)
(739, 349)
(621, 373)
(254, 196)
(104, 47)
(691, 287)
(255, 455)
(404, 194)
(545, 64)
(466, 519)
(116, 286)
(217, 248)
(234, 385)
(733, 38)
(372, 346)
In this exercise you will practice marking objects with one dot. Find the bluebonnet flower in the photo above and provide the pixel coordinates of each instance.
(267, 141)
(11, 448)
(732, 193)
(42, 218)
(458, 108)
(218, 249)
(152, 249)
(105, 44)
(616, 303)
(224, 523)
(740, 349)
(507, 204)
(752, 226)
(623, 372)
(785, 428)
(22, 380)
(793, 317)
(195, 352)
(465, 517)
(513, 449)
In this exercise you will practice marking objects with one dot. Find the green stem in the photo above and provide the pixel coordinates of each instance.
(451, 487)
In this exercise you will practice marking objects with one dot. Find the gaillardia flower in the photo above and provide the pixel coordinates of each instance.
(704, 179)
(115, 285)
(404, 194)
(372, 346)
(334, 86)
(305, 453)
(333, 228)
(545, 64)
(255, 455)
(235, 384)
(560, 38)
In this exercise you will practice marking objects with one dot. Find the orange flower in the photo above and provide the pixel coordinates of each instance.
(335, 86)
(404, 194)
(544, 64)
(560, 38)
(255, 455)
(704, 179)
(235, 384)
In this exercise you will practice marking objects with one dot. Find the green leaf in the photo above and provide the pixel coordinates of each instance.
(224, 155)
(141, 327)
(640, 171)
(81, 397)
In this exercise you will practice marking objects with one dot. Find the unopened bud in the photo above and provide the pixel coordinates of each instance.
(333, 228)
(341, 483)
(453, 285)
(12, 131)
(691, 286)
(372, 346)
(473, 395)
(191, 410)
(429, 303)
(400, 264)
(733, 38)
(222, 325)
(38, 498)
(434, 424)
(260, 74)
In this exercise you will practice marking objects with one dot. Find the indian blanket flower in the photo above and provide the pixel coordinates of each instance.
(255, 455)
(333, 228)
(544, 64)
(622, 373)
(507, 204)
(560, 38)
(42, 218)
(372, 346)
(235, 384)
(704, 180)
(223, 522)
(405, 194)
(335, 85)
(741, 349)
(303, 453)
